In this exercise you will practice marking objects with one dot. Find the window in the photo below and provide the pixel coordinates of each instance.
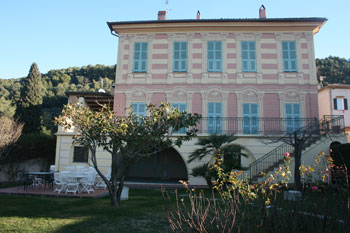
(340, 103)
(250, 119)
(293, 117)
(214, 124)
(248, 49)
(80, 154)
(180, 57)
(139, 109)
(289, 56)
(214, 56)
(140, 57)
(180, 107)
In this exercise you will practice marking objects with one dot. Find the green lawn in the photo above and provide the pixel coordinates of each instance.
(143, 212)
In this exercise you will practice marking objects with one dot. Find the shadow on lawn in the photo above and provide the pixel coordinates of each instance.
(143, 212)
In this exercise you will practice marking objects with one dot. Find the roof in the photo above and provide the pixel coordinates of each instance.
(335, 86)
(318, 20)
(94, 100)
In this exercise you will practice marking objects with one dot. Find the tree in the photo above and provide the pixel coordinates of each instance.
(10, 131)
(209, 146)
(128, 139)
(29, 109)
(298, 140)
(32, 91)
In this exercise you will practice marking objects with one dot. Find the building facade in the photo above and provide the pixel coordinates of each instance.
(249, 77)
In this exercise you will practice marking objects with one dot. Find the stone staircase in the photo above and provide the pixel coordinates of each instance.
(329, 125)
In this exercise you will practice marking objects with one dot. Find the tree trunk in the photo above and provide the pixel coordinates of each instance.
(298, 145)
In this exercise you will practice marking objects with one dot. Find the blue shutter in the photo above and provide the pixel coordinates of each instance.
(180, 107)
(250, 119)
(140, 57)
(180, 57)
(139, 109)
(214, 123)
(248, 52)
(293, 117)
(289, 56)
(214, 56)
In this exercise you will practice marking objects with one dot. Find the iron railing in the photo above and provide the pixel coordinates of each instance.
(252, 125)
(271, 160)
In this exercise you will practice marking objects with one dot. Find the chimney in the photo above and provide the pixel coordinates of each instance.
(262, 12)
(198, 15)
(162, 15)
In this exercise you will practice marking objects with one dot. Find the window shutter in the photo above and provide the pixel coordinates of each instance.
(214, 56)
(180, 57)
(214, 118)
(289, 56)
(248, 51)
(139, 108)
(335, 104)
(140, 57)
(345, 104)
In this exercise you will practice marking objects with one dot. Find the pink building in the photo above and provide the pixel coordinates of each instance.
(248, 77)
(244, 76)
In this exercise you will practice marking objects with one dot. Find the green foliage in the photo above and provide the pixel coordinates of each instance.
(334, 69)
(7, 108)
(32, 146)
(32, 90)
(208, 146)
(54, 85)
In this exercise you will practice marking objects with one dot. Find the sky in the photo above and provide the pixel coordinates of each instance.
(65, 33)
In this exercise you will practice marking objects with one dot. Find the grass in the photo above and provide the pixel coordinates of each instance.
(143, 212)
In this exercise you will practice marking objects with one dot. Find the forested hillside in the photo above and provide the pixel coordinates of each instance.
(36, 99)
(333, 70)
(55, 84)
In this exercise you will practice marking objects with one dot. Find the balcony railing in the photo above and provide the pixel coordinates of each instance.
(252, 125)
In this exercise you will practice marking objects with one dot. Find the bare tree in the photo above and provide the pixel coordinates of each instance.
(10, 131)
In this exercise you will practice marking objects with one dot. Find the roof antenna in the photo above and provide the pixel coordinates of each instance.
(166, 9)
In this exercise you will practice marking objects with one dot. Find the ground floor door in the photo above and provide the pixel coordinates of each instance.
(165, 166)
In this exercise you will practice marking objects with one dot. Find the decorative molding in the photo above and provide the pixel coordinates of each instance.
(278, 36)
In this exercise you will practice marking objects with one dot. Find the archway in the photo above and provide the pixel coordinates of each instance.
(165, 166)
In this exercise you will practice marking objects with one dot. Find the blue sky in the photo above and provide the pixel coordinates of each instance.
(65, 33)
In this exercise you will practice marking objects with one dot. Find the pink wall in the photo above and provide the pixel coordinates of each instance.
(271, 108)
(232, 105)
(119, 104)
(311, 105)
(158, 98)
(271, 105)
(197, 103)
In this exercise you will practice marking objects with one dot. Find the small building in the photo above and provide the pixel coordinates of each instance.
(333, 100)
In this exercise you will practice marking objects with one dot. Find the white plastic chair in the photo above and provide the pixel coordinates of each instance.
(52, 168)
(60, 181)
(100, 183)
(70, 168)
(72, 184)
(88, 183)
(79, 168)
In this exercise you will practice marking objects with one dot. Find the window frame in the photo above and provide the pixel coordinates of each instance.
(139, 60)
(215, 59)
(180, 59)
(289, 60)
(81, 147)
(249, 60)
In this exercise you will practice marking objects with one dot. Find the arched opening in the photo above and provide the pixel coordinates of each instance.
(165, 166)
